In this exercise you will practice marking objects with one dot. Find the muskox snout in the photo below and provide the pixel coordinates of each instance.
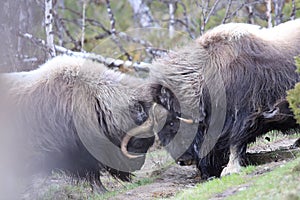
(187, 162)
(140, 138)
(186, 159)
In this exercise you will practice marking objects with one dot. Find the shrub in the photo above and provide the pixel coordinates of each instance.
(293, 95)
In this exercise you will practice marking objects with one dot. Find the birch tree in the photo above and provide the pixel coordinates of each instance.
(49, 27)
(142, 13)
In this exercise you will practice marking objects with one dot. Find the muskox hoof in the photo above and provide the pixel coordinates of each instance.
(231, 169)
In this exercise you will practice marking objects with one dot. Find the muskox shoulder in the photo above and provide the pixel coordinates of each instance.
(227, 32)
(69, 69)
(283, 34)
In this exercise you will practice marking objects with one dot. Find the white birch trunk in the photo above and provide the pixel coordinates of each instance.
(83, 25)
(172, 19)
(269, 13)
(142, 13)
(49, 28)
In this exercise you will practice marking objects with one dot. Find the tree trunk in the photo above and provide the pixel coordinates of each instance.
(142, 13)
(19, 16)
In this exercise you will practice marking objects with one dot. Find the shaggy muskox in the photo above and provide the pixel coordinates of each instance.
(71, 114)
(230, 85)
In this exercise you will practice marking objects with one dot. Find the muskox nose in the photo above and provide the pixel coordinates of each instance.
(184, 162)
(181, 163)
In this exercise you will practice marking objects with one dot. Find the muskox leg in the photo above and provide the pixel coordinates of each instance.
(96, 184)
(233, 165)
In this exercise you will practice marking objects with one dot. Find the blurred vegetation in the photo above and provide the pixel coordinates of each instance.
(192, 18)
(294, 95)
(124, 18)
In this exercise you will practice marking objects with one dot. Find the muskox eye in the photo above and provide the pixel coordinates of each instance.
(171, 124)
(163, 90)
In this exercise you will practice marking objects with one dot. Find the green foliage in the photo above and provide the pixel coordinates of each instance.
(281, 183)
(294, 95)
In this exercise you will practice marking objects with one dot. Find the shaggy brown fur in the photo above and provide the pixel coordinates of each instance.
(50, 107)
(221, 79)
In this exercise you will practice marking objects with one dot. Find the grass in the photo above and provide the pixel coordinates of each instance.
(66, 189)
(247, 185)
(127, 186)
(83, 191)
(281, 183)
(215, 186)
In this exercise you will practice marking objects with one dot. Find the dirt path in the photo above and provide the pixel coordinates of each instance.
(160, 178)
(173, 178)
(168, 183)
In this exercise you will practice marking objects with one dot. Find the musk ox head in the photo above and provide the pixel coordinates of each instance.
(175, 122)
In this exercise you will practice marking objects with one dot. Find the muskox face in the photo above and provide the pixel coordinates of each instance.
(139, 144)
(168, 127)
(149, 117)
(165, 97)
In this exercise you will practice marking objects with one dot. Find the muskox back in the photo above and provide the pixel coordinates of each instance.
(223, 78)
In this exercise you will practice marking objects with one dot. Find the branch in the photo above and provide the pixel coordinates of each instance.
(240, 7)
(134, 40)
(114, 37)
(250, 14)
(211, 11)
(278, 6)
(49, 28)
(62, 27)
(207, 17)
(111, 18)
(186, 21)
(293, 13)
(113, 31)
(227, 11)
(109, 62)
(91, 21)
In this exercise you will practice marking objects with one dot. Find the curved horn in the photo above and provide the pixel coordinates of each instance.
(188, 121)
(147, 126)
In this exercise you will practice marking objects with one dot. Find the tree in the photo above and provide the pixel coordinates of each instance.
(35, 30)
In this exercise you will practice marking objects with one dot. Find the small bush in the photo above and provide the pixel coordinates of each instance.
(294, 95)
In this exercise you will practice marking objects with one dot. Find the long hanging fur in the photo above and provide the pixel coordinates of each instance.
(256, 67)
(50, 105)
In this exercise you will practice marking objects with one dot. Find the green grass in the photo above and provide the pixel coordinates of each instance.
(127, 186)
(281, 183)
(66, 192)
(208, 189)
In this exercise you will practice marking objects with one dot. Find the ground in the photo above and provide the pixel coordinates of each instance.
(161, 178)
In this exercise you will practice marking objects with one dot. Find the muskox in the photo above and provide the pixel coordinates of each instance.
(72, 114)
(230, 85)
